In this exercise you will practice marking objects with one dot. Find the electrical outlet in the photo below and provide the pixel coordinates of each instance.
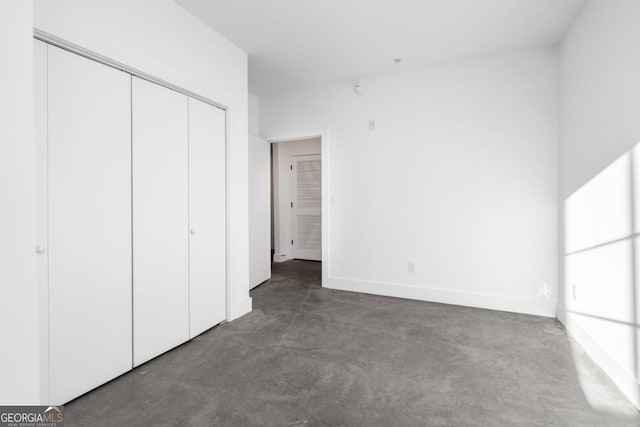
(372, 125)
(412, 267)
(575, 292)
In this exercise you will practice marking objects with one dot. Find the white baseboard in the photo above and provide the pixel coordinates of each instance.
(239, 309)
(537, 307)
(257, 282)
(280, 258)
(623, 379)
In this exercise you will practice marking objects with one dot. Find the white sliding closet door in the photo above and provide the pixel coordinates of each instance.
(40, 89)
(207, 253)
(89, 218)
(160, 220)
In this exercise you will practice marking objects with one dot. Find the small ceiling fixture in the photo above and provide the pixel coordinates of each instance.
(359, 87)
(397, 60)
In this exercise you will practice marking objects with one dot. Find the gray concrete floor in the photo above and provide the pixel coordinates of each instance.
(316, 357)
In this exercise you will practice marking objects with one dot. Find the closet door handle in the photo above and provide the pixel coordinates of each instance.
(192, 231)
(40, 249)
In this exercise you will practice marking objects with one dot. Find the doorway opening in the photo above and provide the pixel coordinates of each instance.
(296, 200)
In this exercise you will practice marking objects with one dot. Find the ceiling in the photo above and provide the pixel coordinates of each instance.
(297, 44)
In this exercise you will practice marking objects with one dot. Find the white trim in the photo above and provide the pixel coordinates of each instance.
(538, 307)
(326, 220)
(280, 257)
(240, 308)
(227, 215)
(623, 379)
(94, 56)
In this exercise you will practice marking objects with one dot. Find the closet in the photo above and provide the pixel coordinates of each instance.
(131, 225)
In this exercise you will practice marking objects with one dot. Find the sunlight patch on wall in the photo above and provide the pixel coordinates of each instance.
(601, 259)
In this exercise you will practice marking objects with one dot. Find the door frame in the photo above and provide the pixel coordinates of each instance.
(323, 134)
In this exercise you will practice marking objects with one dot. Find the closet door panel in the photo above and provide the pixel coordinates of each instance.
(160, 220)
(89, 214)
(207, 254)
(42, 243)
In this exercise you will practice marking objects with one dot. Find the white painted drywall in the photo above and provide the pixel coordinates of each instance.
(460, 177)
(254, 115)
(600, 107)
(19, 368)
(259, 210)
(161, 38)
(259, 200)
(283, 191)
(600, 62)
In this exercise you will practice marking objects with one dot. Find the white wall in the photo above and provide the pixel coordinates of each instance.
(460, 177)
(600, 89)
(283, 192)
(259, 210)
(19, 370)
(259, 199)
(163, 39)
(600, 98)
(254, 115)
